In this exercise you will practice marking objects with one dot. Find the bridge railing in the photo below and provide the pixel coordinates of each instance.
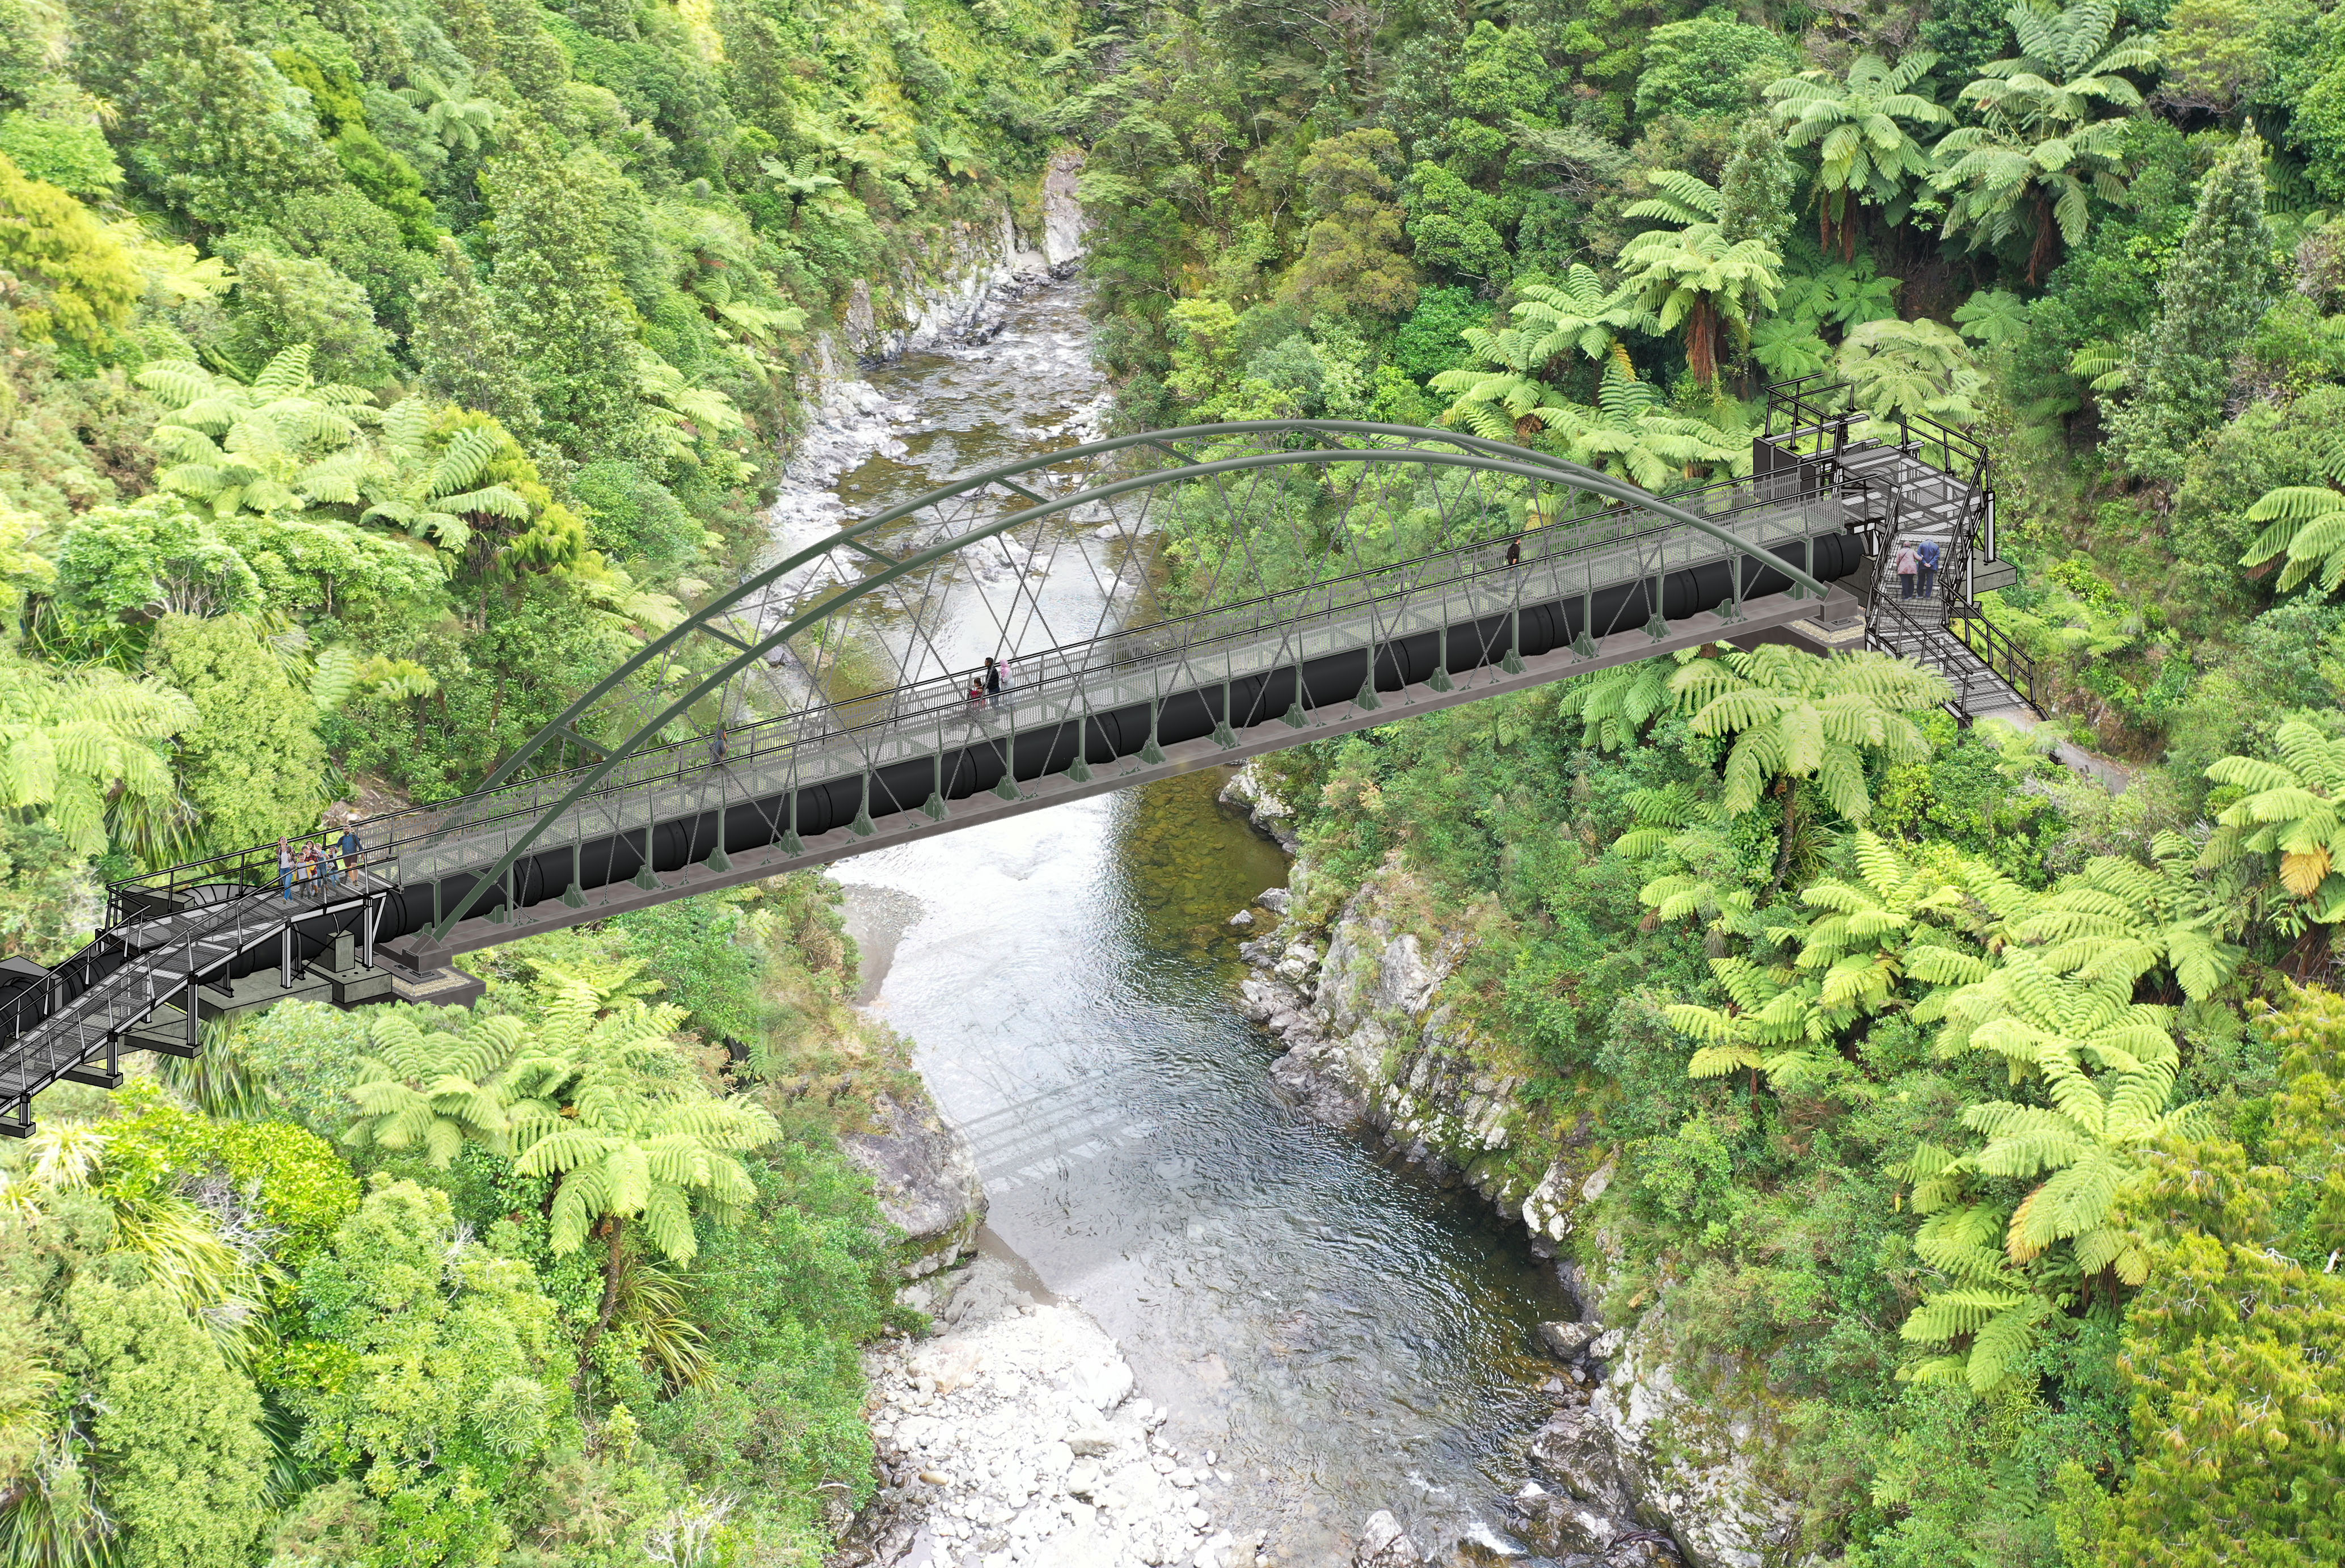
(860, 735)
(857, 724)
(1818, 415)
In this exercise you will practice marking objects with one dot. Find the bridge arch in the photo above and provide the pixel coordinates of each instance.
(1641, 561)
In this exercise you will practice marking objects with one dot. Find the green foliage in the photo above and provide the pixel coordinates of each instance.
(181, 1458)
(251, 764)
(57, 138)
(1709, 66)
(84, 285)
(2213, 294)
(279, 441)
(1352, 258)
(2286, 807)
(2225, 1352)
(429, 1377)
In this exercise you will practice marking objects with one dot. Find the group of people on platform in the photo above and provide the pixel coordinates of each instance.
(986, 686)
(1917, 568)
(326, 862)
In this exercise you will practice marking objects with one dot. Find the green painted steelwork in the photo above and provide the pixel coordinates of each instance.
(1476, 455)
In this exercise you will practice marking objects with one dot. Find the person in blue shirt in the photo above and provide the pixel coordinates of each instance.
(350, 846)
(1929, 566)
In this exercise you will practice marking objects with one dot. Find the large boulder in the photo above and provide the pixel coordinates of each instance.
(1383, 1544)
(924, 1176)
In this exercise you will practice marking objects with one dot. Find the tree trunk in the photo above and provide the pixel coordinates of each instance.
(2047, 242)
(615, 1232)
(1701, 343)
(1784, 848)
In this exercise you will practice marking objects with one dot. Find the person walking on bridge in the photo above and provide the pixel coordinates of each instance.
(992, 682)
(351, 848)
(285, 869)
(1929, 558)
(1909, 561)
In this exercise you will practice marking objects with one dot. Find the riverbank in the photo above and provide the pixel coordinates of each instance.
(1632, 1467)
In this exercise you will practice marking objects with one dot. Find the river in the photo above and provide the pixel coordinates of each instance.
(1346, 1335)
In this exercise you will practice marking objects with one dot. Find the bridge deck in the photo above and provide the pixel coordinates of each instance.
(1142, 665)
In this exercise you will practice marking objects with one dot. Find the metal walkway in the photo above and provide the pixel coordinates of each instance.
(1334, 576)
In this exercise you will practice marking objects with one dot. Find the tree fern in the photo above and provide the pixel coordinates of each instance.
(2287, 809)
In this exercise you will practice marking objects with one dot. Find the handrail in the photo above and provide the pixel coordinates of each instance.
(255, 866)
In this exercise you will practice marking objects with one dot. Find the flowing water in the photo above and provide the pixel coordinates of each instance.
(1345, 1335)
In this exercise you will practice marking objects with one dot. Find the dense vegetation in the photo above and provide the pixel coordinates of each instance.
(372, 377)
(1979, 1122)
(374, 372)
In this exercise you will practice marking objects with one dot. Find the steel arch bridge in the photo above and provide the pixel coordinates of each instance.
(1161, 602)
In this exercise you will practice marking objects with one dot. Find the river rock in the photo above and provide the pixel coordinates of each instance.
(1691, 1459)
(1568, 1342)
(1277, 900)
(925, 1178)
(1249, 793)
(1383, 1544)
(1243, 919)
(1575, 1449)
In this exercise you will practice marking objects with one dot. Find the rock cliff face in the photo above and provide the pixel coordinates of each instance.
(925, 1180)
(1636, 1467)
(966, 283)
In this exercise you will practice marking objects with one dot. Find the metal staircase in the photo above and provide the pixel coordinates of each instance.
(1910, 480)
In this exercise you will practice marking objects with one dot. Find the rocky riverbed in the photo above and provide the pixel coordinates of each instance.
(1014, 1437)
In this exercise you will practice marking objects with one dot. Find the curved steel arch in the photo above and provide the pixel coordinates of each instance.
(1478, 455)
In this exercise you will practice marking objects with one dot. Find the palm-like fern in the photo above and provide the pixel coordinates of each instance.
(81, 746)
(1987, 1301)
(435, 1090)
(2037, 154)
(277, 443)
(2058, 1007)
(1680, 199)
(2121, 918)
(1776, 1025)
(1900, 369)
(1680, 827)
(1633, 432)
(1902, 917)
(1858, 125)
(604, 1108)
(431, 488)
(451, 114)
(1692, 277)
(1507, 395)
(1613, 705)
(2307, 522)
(1576, 317)
(1796, 716)
(2290, 808)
